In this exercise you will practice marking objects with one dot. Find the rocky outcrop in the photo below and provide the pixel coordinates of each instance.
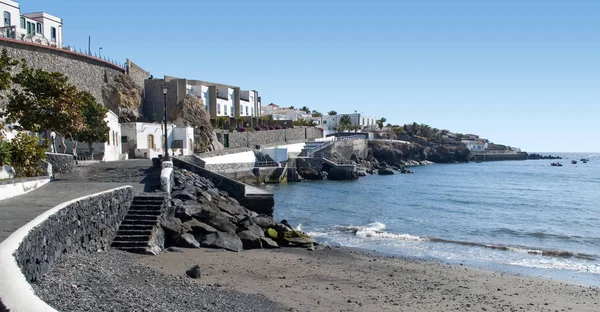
(190, 111)
(201, 215)
(124, 97)
(308, 171)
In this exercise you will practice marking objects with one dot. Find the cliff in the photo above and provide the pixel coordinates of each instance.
(190, 111)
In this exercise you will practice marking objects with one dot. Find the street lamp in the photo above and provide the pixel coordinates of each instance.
(99, 50)
(165, 89)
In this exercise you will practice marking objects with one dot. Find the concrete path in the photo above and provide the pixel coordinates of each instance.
(84, 180)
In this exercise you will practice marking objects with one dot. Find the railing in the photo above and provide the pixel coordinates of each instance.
(10, 32)
(326, 158)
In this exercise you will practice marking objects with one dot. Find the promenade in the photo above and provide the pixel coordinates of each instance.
(84, 180)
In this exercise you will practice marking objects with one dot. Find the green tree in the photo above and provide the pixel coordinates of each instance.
(26, 153)
(345, 122)
(221, 122)
(381, 122)
(45, 101)
(6, 66)
(426, 131)
(306, 109)
(4, 153)
(292, 107)
(96, 128)
(332, 113)
(315, 113)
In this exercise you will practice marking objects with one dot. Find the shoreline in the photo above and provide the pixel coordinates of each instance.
(351, 279)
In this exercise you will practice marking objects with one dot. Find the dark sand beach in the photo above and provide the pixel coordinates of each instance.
(339, 279)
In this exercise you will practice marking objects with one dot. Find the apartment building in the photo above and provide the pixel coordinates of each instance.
(284, 113)
(38, 27)
(220, 100)
(328, 122)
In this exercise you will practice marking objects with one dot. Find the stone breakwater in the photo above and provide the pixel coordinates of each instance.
(87, 225)
(203, 216)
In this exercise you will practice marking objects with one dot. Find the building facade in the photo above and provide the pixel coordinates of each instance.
(146, 140)
(220, 100)
(39, 27)
(475, 145)
(329, 122)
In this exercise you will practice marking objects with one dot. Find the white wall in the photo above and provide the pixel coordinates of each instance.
(15, 189)
(201, 92)
(138, 134)
(244, 157)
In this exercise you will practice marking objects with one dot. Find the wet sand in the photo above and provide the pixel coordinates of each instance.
(340, 279)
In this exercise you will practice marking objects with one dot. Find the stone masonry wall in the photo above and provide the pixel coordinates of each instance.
(61, 163)
(85, 72)
(250, 139)
(88, 225)
(138, 74)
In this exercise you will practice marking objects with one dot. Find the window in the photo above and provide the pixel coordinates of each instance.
(177, 144)
(324, 122)
(252, 110)
(218, 109)
(225, 110)
(150, 141)
(124, 139)
(246, 110)
(108, 141)
(53, 34)
(30, 28)
(6, 18)
(23, 22)
(39, 28)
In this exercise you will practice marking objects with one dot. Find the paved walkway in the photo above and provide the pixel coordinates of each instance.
(85, 180)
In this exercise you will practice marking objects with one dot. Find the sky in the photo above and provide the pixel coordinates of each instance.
(524, 73)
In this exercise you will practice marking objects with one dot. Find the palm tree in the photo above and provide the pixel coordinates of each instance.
(380, 123)
(332, 113)
(345, 122)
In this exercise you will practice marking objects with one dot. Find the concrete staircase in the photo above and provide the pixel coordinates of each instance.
(312, 147)
(136, 229)
(277, 175)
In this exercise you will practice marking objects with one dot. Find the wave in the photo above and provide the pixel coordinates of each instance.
(376, 230)
(537, 234)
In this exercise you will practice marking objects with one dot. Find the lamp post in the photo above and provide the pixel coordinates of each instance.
(99, 51)
(165, 89)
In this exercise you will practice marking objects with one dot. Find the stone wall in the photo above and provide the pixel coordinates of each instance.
(87, 73)
(252, 138)
(348, 148)
(87, 225)
(138, 74)
(61, 163)
(235, 189)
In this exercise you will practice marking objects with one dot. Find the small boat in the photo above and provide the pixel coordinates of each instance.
(556, 164)
(584, 160)
(574, 162)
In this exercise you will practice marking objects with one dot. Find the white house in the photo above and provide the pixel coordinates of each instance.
(225, 100)
(111, 149)
(476, 145)
(284, 113)
(39, 27)
(146, 140)
(249, 103)
(328, 122)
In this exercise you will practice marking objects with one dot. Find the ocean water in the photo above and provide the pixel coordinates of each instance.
(523, 217)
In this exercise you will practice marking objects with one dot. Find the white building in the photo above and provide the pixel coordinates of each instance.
(111, 149)
(476, 145)
(329, 122)
(39, 27)
(249, 100)
(284, 113)
(226, 101)
(146, 140)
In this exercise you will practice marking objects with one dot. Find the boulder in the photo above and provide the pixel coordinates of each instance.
(341, 173)
(184, 195)
(223, 240)
(297, 238)
(257, 230)
(385, 171)
(199, 228)
(188, 240)
(173, 229)
(268, 243)
(174, 249)
(187, 211)
(222, 224)
(250, 240)
(194, 272)
(231, 209)
(264, 221)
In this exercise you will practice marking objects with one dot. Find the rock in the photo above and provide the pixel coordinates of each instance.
(174, 249)
(257, 230)
(361, 173)
(183, 195)
(386, 171)
(199, 228)
(271, 233)
(207, 212)
(306, 171)
(297, 238)
(250, 240)
(188, 240)
(231, 209)
(187, 211)
(156, 243)
(223, 193)
(268, 243)
(176, 202)
(264, 221)
(223, 240)
(282, 228)
(341, 173)
(206, 195)
(214, 192)
(222, 224)
(194, 272)
(173, 229)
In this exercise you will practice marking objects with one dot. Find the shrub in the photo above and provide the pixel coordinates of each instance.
(257, 128)
(244, 129)
(278, 127)
(26, 153)
(271, 128)
(4, 153)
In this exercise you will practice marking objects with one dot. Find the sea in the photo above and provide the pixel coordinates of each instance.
(522, 217)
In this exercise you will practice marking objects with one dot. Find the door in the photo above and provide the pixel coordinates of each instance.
(226, 139)
(150, 141)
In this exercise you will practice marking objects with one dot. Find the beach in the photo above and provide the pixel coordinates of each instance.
(343, 279)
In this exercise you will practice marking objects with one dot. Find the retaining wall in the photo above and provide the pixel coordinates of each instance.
(86, 224)
(87, 73)
(347, 148)
(61, 163)
(252, 138)
(15, 187)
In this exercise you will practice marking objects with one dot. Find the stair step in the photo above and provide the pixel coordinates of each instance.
(121, 244)
(141, 250)
(123, 232)
(141, 217)
(136, 227)
(132, 238)
(139, 222)
(144, 212)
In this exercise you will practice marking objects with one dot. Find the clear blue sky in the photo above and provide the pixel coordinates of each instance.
(521, 72)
